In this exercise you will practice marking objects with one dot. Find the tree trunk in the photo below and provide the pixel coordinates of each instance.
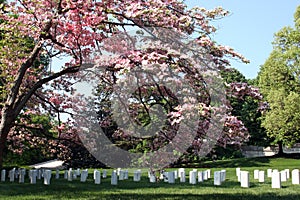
(280, 149)
(7, 119)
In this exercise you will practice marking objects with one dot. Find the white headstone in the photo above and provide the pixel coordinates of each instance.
(22, 173)
(287, 173)
(179, 171)
(217, 178)
(121, 175)
(176, 174)
(256, 174)
(12, 175)
(39, 174)
(276, 180)
(171, 177)
(114, 178)
(70, 174)
(3, 175)
(200, 176)
(245, 182)
(223, 175)
(83, 176)
(78, 172)
(283, 176)
(269, 173)
(261, 176)
(118, 171)
(182, 176)
(295, 177)
(57, 174)
(192, 177)
(47, 177)
(104, 173)
(165, 176)
(208, 174)
(126, 174)
(137, 175)
(237, 171)
(152, 178)
(33, 175)
(97, 177)
(66, 174)
(205, 175)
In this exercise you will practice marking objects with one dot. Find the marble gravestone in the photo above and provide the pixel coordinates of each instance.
(217, 178)
(97, 177)
(3, 175)
(245, 182)
(295, 177)
(276, 179)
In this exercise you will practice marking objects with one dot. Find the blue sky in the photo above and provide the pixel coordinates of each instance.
(250, 27)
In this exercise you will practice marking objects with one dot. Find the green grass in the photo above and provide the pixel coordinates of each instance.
(127, 189)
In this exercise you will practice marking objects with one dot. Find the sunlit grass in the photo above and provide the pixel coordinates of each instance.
(127, 189)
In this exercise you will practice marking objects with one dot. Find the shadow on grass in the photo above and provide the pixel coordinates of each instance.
(241, 162)
(62, 189)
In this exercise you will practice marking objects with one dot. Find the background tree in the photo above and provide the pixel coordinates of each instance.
(279, 80)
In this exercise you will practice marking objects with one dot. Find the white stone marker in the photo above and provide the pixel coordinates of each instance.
(164, 176)
(137, 175)
(39, 174)
(47, 177)
(57, 174)
(287, 173)
(83, 176)
(97, 177)
(237, 171)
(176, 174)
(217, 178)
(182, 176)
(126, 174)
(118, 171)
(261, 176)
(256, 174)
(3, 175)
(208, 174)
(179, 171)
(171, 177)
(78, 172)
(192, 177)
(295, 177)
(283, 176)
(276, 183)
(32, 176)
(245, 182)
(152, 178)
(114, 178)
(70, 174)
(66, 174)
(104, 173)
(121, 175)
(22, 173)
(12, 175)
(200, 176)
(223, 175)
(205, 175)
(269, 173)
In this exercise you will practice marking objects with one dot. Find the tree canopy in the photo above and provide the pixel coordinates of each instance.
(279, 81)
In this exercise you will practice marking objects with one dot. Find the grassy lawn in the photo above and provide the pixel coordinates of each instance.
(127, 189)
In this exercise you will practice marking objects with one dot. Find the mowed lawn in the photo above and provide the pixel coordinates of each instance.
(127, 189)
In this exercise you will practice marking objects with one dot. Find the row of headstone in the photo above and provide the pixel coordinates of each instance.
(171, 176)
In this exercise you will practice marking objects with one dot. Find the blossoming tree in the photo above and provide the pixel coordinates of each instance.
(76, 29)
